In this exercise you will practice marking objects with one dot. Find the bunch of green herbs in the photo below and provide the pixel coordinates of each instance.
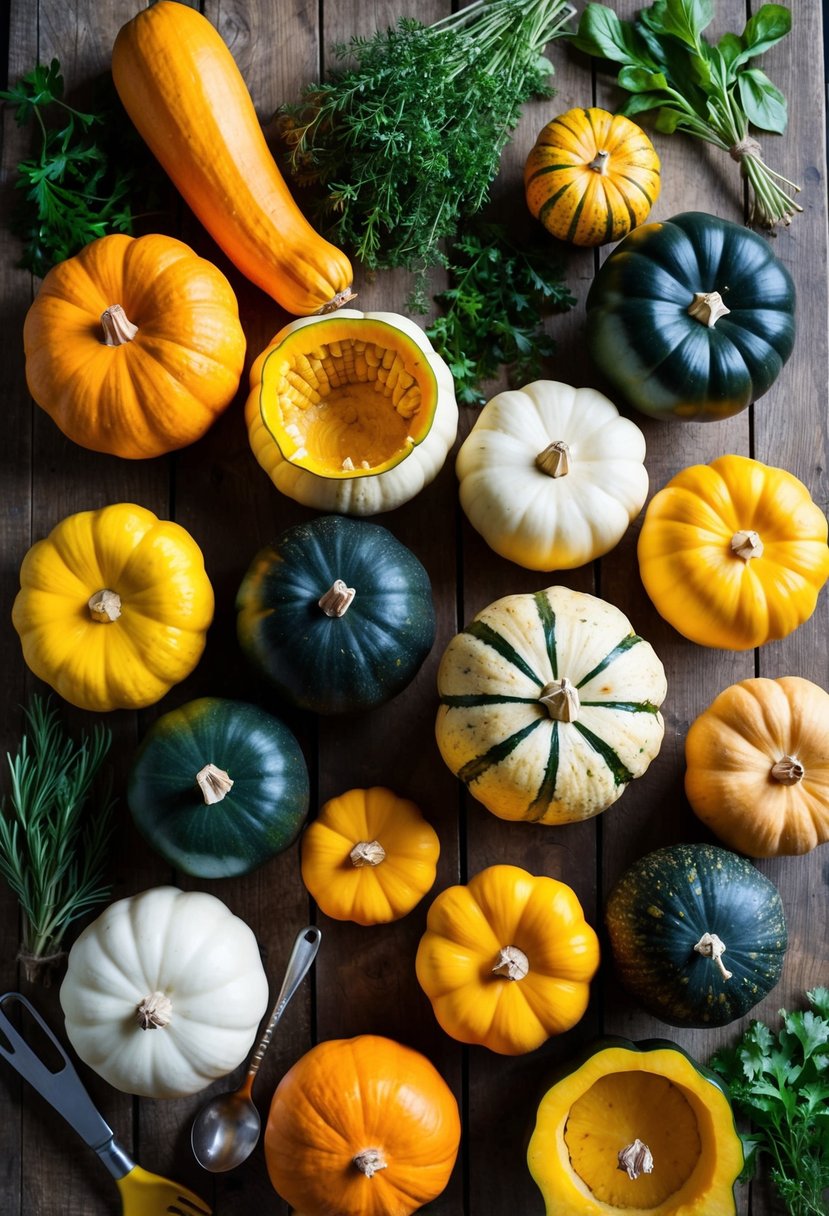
(710, 91)
(780, 1082)
(492, 315)
(407, 140)
(86, 176)
(53, 845)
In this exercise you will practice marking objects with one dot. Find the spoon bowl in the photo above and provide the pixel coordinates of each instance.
(226, 1130)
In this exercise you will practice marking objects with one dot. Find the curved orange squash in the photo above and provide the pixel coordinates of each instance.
(182, 89)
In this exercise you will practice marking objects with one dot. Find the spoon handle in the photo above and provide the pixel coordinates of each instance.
(302, 956)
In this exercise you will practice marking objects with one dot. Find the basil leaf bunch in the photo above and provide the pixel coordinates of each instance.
(713, 92)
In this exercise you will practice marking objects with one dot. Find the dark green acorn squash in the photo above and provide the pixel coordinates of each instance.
(669, 362)
(218, 787)
(668, 917)
(337, 614)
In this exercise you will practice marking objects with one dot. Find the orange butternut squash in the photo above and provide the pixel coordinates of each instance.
(182, 89)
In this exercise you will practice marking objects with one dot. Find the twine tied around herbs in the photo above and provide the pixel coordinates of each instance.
(747, 146)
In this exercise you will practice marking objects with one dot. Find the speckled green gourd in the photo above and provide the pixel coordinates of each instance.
(663, 906)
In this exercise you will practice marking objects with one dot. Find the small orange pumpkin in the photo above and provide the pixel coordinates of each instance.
(758, 766)
(134, 346)
(369, 856)
(592, 177)
(361, 1127)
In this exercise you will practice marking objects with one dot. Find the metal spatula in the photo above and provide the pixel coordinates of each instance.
(142, 1193)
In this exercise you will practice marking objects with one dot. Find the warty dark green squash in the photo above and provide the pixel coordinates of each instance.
(337, 614)
(698, 934)
(218, 787)
(692, 318)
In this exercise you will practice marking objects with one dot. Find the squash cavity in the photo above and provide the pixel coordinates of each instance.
(347, 399)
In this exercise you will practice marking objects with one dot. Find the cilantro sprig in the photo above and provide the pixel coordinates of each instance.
(713, 92)
(82, 182)
(493, 312)
(781, 1083)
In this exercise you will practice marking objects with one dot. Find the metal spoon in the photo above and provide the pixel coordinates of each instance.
(226, 1130)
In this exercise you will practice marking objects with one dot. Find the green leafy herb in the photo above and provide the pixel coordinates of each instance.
(781, 1083)
(80, 184)
(51, 851)
(709, 91)
(408, 140)
(493, 312)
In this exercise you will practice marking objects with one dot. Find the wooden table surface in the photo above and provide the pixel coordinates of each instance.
(364, 978)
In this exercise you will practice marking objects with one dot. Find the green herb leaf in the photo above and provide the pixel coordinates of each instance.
(640, 80)
(781, 1083)
(406, 142)
(767, 27)
(763, 103)
(493, 312)
(52, 846)
(603, 34)
(685, 19)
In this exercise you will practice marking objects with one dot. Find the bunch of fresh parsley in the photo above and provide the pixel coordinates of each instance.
(85, 178)
(407, 140)
(492, 315)
(781, 1083)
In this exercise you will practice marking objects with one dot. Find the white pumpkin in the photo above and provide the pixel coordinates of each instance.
(551, 476)
(164, 992)
(549, 706)
(351, 412)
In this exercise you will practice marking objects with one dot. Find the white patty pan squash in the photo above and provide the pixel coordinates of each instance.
(164, 992)
(549, 706)
(551, 476)
(352, 412)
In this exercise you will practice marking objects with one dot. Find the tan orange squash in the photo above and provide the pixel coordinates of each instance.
(361, 1127)
(183, 91)
(758, 766)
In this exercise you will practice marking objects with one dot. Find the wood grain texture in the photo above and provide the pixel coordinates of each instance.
(364, 979)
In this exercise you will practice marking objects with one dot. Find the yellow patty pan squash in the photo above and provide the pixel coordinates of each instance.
(758, 766)
(507, 960)
(549, 706)
(353, 412)
(639, 1128)
(369, 856)
(551, 476)
(134, 346)
(113, 607)
(733, 553)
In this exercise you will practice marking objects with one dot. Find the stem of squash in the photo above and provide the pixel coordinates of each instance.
(561, 700)
(337, 598)
(707, 307)
(369, 1161)
(104, 606)
(512, 963)
(599, 163)
(711, 946)
(788, 771)
(636, 1159)
(555, 459)
(367, 853)
(118, 329)
(214, 784)
(747, 545)
(155, 1011)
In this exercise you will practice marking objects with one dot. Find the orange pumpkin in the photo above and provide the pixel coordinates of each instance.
(134, 346)
(591, 177)
(361, 1127)
(369, 856)
(758, 766)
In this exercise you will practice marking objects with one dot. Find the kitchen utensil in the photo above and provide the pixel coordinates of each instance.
(142, 1193)
(226, 1130)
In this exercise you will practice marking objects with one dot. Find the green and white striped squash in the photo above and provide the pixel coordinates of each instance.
(549, 706)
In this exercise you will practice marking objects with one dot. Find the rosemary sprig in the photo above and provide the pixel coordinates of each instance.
(52, 852)
(407, 141)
